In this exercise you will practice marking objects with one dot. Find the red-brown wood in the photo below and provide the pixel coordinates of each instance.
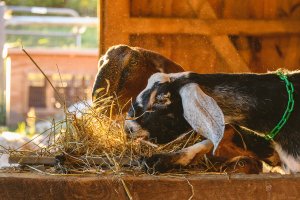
(237, 186)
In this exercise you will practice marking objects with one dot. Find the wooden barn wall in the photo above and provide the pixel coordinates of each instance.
(193, 52)
(210, 54)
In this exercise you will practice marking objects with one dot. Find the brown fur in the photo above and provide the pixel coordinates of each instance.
(227, 148)
(127, 69)
(242, 164)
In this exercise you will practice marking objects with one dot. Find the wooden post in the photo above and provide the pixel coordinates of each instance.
(117, 15)
(101, 36)
(2, 74)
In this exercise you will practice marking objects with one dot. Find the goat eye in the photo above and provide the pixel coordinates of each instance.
(161, 101)
(133, 62)
(241, 164)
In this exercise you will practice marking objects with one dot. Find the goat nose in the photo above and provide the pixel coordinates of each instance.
(128, 129)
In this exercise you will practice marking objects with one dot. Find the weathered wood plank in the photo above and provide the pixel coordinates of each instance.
(246, 187)
(31, 160)
(51, 160)
(211, 27)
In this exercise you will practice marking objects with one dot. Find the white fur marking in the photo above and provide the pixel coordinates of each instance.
(174, 76)
(188, 154)
(136, 129)
(161, 78)
(293, 166)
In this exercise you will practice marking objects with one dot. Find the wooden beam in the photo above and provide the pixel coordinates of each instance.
(31, 160)
(211, 27)
(51, 160)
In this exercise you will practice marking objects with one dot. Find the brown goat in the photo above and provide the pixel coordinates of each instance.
(127, 70)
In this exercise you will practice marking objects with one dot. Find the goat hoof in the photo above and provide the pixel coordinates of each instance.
(156, 163)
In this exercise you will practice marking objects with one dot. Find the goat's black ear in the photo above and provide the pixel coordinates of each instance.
(202, 113)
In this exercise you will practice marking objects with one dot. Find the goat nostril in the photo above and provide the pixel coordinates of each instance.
(128, 129)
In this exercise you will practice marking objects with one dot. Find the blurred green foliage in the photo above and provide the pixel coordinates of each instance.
(21, 128)
(83, 7)
(89, 38)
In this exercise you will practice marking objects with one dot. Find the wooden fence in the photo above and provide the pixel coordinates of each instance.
(208, 36)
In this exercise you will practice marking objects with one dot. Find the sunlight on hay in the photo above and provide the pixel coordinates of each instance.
(95, 131)
(90, 132)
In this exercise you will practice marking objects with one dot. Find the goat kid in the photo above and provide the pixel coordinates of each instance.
(172, 104)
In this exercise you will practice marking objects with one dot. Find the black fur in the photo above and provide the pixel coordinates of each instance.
(163, 127)
(268, 92)
(264, 149)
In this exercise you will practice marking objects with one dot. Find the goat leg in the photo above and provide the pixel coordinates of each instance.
(165, 162)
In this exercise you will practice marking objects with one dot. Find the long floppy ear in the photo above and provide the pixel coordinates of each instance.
(161, 63)
(202, 113)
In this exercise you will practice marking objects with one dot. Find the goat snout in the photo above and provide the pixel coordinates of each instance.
(128, 130)
(134, 130)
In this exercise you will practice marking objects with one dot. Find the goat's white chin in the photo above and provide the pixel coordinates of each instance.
(141, 134)
(135, 130)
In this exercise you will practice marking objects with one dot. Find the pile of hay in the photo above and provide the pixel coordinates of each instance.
(98, 132)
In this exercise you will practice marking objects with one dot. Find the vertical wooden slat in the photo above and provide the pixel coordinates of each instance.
(270, 9)
(117, 14)
(292, 54)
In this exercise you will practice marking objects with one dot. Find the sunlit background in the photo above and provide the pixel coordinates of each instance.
(29, 34)
(61, 36)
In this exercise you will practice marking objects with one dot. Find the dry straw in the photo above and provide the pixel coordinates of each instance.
(97, 132)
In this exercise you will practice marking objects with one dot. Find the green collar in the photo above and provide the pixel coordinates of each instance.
(290, 107)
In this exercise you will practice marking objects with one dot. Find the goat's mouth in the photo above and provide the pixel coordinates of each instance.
(135, 136)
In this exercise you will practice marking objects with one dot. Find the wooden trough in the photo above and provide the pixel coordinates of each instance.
(237, 186)
(51, 160)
